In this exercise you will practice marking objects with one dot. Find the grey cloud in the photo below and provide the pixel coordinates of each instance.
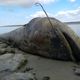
(24, 3)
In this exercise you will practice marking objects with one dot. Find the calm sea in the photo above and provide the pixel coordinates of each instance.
(75, 27)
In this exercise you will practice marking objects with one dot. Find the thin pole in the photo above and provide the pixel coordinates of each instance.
(38, 4)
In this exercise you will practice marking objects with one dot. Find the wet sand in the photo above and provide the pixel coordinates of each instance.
(42, 67)
(56, 70)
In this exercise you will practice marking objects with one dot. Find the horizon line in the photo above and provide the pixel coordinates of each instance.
(17, 25)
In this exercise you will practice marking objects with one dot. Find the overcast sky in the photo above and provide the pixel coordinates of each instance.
(13, 12)
(21, 11)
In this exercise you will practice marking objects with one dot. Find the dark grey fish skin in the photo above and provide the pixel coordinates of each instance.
(38, 37)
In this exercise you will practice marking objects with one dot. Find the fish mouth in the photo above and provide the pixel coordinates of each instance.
(74, 48)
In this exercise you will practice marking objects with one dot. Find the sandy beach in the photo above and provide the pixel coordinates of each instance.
(39, 66)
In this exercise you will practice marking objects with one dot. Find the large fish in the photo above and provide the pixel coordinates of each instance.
(38, 37)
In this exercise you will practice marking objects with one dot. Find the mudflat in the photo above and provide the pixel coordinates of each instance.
(15, 63)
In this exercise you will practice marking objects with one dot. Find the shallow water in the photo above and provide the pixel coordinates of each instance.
(7, 29)
(75, 27)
